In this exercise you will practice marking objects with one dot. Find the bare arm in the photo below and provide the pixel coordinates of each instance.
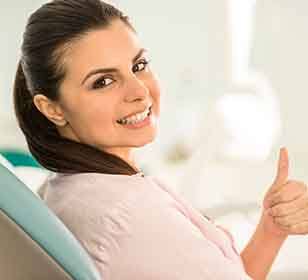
(260, 252)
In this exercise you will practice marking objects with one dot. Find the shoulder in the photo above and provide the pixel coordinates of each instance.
(91, 201)
(89, 189)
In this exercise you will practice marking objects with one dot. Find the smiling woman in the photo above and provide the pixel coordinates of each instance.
(85, 97)
(87, 106)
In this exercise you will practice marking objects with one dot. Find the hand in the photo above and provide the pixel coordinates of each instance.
(286, 203)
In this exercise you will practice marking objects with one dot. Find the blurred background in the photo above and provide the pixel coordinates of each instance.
(233, 78)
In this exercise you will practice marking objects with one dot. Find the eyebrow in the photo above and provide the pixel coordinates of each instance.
(108, 70)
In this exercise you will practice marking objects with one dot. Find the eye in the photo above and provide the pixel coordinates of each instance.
(102, 82)
(143, 64)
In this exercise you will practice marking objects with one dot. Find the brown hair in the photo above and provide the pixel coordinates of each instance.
(49, 29)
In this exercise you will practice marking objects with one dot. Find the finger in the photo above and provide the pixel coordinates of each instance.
(290, 191)
(293, 219)
(301, 228)
(282, 170)
(288, 208)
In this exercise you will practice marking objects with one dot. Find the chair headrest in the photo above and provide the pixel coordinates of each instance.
(31, 215)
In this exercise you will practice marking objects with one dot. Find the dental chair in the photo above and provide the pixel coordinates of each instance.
(34, 243)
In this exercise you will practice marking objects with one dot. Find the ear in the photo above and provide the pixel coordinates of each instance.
(50, 109)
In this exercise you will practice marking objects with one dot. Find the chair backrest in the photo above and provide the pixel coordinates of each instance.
(34, 243)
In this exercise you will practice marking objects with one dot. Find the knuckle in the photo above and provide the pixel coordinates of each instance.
(293, 228)
(274, 211)
(279, 197)
(285, 220)
(275, 197)
(277, 211)
(281, 211)
(300, 228)
(281, 220)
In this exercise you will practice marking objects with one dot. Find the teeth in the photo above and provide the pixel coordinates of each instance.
(136, 118)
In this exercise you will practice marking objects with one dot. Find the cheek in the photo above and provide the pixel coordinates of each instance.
(155, 93)
(99, 117)
(93, 119)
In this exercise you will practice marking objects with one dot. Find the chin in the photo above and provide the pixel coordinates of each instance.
(142, 141)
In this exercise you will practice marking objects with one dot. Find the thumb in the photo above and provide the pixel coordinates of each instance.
(283, 167)
(281, 176)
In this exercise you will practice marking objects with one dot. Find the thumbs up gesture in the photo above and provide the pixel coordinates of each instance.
(285, 205)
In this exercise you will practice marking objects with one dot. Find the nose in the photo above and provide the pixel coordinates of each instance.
(136, 90)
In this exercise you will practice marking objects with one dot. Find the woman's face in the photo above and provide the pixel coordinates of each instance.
(107, 80)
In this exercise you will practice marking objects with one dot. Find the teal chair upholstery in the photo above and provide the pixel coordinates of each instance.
(35, 244)
(19, 158)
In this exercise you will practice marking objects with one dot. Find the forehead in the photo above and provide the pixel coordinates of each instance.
(107, 47)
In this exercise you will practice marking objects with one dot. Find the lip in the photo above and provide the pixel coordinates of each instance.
(132, 114)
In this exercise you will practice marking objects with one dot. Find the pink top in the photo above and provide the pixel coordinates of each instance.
(136, 227)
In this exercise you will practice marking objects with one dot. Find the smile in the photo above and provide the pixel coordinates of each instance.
(137, 118)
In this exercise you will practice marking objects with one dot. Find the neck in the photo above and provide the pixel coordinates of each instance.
(126, 154)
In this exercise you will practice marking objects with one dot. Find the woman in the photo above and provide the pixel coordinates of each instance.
(85, 97)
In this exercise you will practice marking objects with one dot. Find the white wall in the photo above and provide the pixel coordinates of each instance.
(13, 16)
(190, 44)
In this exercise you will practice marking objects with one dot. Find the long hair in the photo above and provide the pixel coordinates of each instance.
(48, 31)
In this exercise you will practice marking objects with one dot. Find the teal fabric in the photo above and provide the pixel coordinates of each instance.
(42, 225)
(19, 158)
